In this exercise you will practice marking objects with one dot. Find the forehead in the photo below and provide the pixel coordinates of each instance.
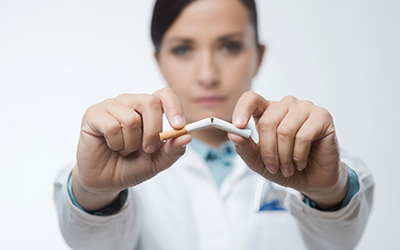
(211, 18)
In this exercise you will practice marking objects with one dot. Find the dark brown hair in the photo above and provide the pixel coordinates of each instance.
(167, 11)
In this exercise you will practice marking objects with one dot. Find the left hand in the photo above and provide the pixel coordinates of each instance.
(297, 146)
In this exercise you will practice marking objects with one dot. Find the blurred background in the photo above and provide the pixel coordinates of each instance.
(59, 57)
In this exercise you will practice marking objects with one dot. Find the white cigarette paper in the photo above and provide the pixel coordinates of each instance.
(229, 127)
(203, 124)
(199, 125)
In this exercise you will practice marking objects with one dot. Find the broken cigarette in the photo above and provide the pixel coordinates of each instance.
(203, 124)
(229, 127)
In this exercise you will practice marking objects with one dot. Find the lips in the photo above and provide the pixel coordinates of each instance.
(210, 100)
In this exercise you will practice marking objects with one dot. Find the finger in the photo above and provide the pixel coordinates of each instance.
(267, 132)
(150, 109)
(97, 122)
(130, 124)
(172, 107)
(171, 151)
(318, 125)
(249, 104)
(286, 133)
(248, 150)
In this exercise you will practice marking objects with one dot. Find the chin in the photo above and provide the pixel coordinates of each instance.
(195, 113)
(202, 115)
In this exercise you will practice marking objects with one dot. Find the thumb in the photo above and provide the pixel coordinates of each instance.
(171, 151)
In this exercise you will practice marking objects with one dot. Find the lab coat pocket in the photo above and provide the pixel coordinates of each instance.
(269, 197)
(270, 229)
(270, 225)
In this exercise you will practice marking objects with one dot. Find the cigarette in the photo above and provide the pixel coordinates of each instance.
(191, 127)
(203, 124)
(229, 127)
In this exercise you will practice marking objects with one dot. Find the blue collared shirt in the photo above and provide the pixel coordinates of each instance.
(219, 160)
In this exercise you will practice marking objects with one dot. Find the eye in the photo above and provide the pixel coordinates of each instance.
(181, 50)
(232, 47)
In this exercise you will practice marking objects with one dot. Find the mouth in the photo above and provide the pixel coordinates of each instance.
(210, 101)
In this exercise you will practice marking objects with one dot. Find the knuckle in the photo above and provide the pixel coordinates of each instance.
(266, 123)
(285, 130)
(122, 96)
(153, 102)
(286, 162)
(289, 99)
(270, 161)
(111, 128)
(269, 158)
(305, 104)
(298, 159)
(108, 101)
(92, 109)
(150, 135)
(127, 99)
(170, 90)
(167, 91)
(249, 94)
(303, 138)
(325, 113)
(133, 121)
(175, 109)
(88, 113)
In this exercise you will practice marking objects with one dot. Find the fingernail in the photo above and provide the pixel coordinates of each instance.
(239, 120)
(300, 167)
(286, 173)
(272, 169)
(150, 149)
(178, 120)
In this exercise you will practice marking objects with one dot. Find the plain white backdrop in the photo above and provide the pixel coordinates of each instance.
(59, 57)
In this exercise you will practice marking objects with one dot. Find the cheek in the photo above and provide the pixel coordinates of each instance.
(176, 74)
(238, 74)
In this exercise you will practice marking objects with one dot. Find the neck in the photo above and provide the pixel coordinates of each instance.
(211, 136)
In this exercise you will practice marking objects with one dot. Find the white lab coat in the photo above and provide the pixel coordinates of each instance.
(182, 208)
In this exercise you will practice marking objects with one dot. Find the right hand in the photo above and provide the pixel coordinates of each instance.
(119, 145)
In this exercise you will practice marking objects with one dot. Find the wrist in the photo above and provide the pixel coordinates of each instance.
(88, 198)
(332, 196)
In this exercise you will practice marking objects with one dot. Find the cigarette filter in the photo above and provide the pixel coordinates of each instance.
(191, 127)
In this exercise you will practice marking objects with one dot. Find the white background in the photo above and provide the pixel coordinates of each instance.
(59, 57)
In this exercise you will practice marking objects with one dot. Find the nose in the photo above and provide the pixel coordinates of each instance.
(208, 73)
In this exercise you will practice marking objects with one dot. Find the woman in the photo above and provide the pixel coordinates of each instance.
(210, 197)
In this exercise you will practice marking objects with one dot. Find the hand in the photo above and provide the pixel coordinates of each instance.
(297, 146)
(119, 145)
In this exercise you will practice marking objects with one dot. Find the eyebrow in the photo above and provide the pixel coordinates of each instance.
(180, 39)
(229, 36)
(188, 40)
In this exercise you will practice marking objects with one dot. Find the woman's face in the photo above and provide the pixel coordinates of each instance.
(209, 57)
